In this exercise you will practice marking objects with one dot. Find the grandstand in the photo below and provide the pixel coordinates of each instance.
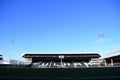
(112, 59)
(64, 60)
(61, 60)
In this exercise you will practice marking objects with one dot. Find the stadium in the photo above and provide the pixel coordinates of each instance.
(62, 66)
(61, 60)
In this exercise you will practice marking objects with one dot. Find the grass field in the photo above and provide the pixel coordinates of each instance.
(106, 73)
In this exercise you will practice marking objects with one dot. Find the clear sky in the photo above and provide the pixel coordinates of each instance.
(59, 26)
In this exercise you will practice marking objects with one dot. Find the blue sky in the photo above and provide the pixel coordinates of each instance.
(58, 26)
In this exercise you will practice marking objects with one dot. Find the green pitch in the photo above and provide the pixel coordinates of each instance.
(107, 73)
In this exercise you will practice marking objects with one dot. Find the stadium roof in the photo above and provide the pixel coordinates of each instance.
(56, 54)
(113, 54)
